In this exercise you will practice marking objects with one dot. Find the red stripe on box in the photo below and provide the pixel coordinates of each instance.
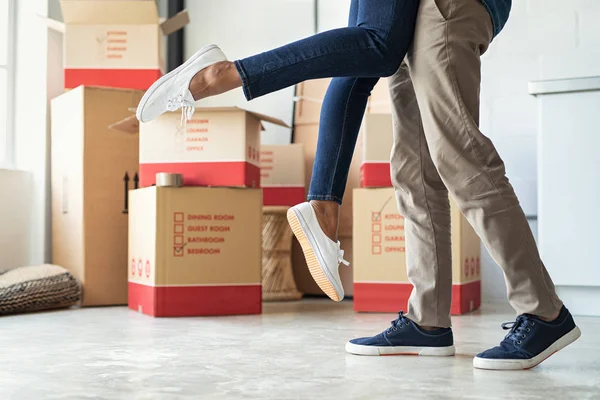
(139, 79)
(283, 196)
(381, 297)
(392, 297)
(466, 298)
(195, 301)
(375, 174)
(234, 173)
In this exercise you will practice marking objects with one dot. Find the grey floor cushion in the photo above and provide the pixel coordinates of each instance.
(35, 288)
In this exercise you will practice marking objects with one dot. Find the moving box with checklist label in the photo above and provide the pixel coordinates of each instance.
(218, 147)
(282, 174)
(93, 169)
(114, 43)
(195, 251)
(380, 279)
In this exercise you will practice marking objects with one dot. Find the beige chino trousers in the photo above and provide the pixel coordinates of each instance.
(438, 148)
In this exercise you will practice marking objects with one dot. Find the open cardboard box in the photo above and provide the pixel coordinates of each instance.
(114, 43)
(219, 146)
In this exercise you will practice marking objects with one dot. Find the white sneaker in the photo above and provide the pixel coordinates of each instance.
(322, 254)
(171, 92)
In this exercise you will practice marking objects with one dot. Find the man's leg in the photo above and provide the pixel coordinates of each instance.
(423, 201)
(445, 68)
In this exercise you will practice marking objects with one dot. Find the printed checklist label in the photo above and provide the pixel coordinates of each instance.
(200, 234)
(387, 231)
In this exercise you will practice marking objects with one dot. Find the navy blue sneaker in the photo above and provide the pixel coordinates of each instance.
(529, 342)
(404, 337)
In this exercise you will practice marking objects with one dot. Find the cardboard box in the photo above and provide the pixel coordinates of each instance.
(114, 43)
(282, 174)
(380, 278)
(304, 280)
(195, 251)
(380, 100)
(92, 169)
(309, 99)
(378, 139)
(219, 146)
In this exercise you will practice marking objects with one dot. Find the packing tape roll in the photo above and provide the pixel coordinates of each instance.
(165, 179)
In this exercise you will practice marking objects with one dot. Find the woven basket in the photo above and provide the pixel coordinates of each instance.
(277, 276)
(36, 288)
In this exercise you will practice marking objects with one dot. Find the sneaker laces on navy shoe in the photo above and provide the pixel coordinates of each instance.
(399, 322)
(518, 328)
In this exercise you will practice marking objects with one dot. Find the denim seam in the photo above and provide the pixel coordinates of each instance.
(337, 160)
(487, 172)
(244, 77)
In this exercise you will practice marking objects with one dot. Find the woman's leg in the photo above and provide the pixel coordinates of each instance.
(341, 116)
(374, 47)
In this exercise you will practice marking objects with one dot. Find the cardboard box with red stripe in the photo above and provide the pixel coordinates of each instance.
(114, 43)
(380, 279)
(218, 147)
(195, 251)
(377, 146)
(282, 174)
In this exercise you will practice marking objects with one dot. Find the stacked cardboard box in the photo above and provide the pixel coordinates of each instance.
(197, 250)
(380, 280)
(282, 174)
(93, 168)
(114, 43)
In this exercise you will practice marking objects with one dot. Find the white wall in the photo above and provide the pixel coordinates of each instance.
(243, 28)
(31, 111)
(15, 215)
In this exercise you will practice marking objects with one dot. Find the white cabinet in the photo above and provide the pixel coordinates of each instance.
(569, 188)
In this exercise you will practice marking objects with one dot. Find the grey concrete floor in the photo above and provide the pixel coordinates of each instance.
(292, 351)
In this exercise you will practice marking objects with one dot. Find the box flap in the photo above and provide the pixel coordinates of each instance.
(175, 23)
(127, 125)
(109, 12)
(259, 116)
(53, 24)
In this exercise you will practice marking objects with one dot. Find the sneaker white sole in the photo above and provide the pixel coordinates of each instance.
(360, 350)
(314, 266)
(160, 81)
(499, 364)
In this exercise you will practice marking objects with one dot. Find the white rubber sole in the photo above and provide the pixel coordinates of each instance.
(399, 350)
(312, 260)
(160, 81)
(485, 363)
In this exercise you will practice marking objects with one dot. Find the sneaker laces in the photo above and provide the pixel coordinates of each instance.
(399, 322)
(518, 328)
(340, 255)
(187, 107)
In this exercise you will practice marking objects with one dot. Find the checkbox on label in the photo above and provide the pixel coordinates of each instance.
(178, 240)
(376, 249)
(376, 227)
(178, 228)
(375, 216)
(178, 217)
(178, 251)
(377, 238)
